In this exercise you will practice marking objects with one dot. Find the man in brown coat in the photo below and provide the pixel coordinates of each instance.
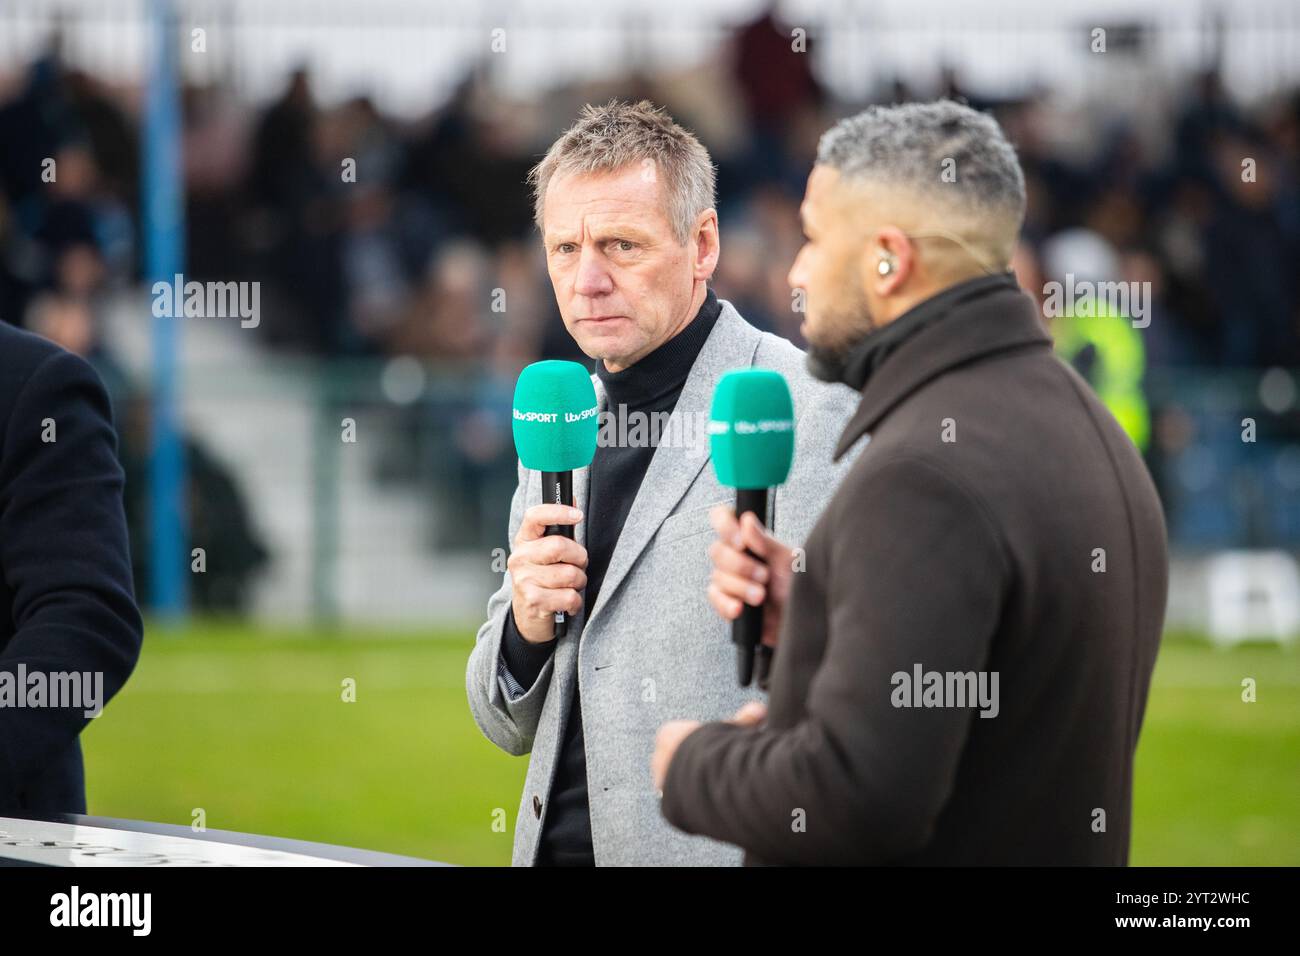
(965, 648)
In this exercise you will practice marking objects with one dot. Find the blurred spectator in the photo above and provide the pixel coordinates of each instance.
(376, 239)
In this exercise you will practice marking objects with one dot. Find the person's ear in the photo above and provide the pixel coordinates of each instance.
(707, 244)
(892, 259)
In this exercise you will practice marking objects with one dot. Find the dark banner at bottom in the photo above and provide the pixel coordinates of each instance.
(332, 904)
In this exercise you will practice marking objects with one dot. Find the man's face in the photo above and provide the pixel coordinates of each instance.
(623, 282)
(827, 268)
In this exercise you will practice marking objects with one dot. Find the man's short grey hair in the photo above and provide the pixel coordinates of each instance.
(944, 151)
(612, 137)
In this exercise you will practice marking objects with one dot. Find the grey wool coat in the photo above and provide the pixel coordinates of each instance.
(653, 649)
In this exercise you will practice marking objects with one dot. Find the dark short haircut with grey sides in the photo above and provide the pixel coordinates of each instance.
(612, 137)
(913, 144)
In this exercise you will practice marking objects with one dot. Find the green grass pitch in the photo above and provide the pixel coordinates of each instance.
(249, 725)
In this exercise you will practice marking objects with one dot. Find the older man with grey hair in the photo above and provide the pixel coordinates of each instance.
(961, 674)
(625, 209)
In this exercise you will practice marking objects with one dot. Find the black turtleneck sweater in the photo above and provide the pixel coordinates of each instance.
(650, 386)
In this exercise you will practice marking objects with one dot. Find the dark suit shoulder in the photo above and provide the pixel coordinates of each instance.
(21, 350)
(23, 354)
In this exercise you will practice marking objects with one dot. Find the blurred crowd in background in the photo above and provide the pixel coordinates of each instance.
(404, 261)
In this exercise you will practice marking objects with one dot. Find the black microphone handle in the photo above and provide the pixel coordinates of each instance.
(747, 630)
(763, 667)
(557, 489)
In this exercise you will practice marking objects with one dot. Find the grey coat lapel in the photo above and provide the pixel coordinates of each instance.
(581, 480)
(731, 344)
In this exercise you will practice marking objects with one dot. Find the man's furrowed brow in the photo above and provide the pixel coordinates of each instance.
(602, 232)
(629, 228)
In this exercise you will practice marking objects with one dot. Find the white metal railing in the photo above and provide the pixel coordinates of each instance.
(409, 54)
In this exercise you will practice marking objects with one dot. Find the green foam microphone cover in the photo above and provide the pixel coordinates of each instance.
(751, 429)
(555, 417)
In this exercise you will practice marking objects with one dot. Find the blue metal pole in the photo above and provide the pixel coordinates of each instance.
(164, 240)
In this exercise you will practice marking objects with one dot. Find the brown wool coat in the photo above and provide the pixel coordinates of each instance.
(981, 553)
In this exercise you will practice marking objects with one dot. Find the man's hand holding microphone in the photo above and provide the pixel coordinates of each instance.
(750, 567)
(555, 425)
(547, 571)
